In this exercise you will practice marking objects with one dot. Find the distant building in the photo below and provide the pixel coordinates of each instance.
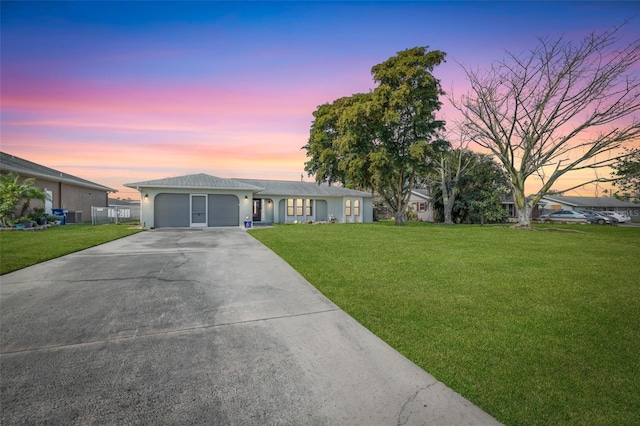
(557, 202)
(68, 192)
(420, 203)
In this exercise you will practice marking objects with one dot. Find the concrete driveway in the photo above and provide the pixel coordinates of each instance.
(198, 327)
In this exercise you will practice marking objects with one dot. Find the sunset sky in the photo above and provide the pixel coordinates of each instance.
(118, 92)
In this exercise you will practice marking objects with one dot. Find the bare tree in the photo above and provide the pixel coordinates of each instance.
(560, 107)
(451, 166)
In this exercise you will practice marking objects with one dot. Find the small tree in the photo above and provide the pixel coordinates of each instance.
(560, 107)
(627, 174)
(451, 166)
(478, 191)
(13, 190)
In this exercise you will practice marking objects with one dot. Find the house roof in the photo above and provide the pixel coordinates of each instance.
(589, 201)
(11, 163)
(422, 193)
(119, 202)
(302, 189)
(261, 186)
(200, 181)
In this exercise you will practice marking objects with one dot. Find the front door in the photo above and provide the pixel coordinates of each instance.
(257, 210)
(198, 210)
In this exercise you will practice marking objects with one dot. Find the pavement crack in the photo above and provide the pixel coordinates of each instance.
(403, 417)
(161, 333)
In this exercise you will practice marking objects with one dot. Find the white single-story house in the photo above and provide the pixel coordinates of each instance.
(202, 200)
(420, 203)
(557, 202)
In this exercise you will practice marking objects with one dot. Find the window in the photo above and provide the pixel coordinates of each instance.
(298, 207)
(421, 207)
(347, 208)
(309, 208)
(290, 207)
(509, 210)
(356, 207)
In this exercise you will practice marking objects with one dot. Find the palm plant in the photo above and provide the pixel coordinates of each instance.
(13, 190)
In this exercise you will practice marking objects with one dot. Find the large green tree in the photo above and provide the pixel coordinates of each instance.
(380, 141)
(561, 107)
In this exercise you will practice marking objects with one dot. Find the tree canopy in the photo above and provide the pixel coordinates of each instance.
(627, 173)
(478, 191)
(380, 140)
(560, 107)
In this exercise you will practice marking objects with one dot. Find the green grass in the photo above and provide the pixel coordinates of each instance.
(535, 327)
(19, 249)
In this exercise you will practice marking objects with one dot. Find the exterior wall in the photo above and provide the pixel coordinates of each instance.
(71, 197)
(273, 208)
(78, 199)
(147, 204)
(323, 209)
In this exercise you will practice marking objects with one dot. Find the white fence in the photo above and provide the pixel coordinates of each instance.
(114, 214)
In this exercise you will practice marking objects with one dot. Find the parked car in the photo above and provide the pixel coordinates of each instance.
(621, 218)
(596, 217)
(564, 216)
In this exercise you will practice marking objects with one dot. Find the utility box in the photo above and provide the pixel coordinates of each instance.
(74, 217)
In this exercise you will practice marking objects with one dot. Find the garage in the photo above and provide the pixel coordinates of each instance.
(196, 210)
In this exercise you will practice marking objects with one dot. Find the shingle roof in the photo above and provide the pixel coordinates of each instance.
(424, 193)
(263, 187)
(302, 189)
(590, 201)
(11, 163)
(201, 181)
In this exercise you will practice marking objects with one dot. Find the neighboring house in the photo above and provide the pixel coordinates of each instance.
(420, 203)
(512, 211)
(203, 200)
(68, 192)
(550, 203)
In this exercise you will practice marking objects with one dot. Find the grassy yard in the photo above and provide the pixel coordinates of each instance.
(536, 327)
(19, 249)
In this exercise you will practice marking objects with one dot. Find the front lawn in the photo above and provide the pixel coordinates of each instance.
(533, 326)
(19, 249)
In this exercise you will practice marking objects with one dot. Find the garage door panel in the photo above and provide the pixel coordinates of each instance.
(172, 210)
(224, 210)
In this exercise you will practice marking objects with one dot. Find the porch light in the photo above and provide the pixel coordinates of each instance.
(246, 198)
(146, 196)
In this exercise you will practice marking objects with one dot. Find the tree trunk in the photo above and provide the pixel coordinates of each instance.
(448, 199)
(399, 217)
(523, 210)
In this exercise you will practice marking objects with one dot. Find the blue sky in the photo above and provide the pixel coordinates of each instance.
(119, 92)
